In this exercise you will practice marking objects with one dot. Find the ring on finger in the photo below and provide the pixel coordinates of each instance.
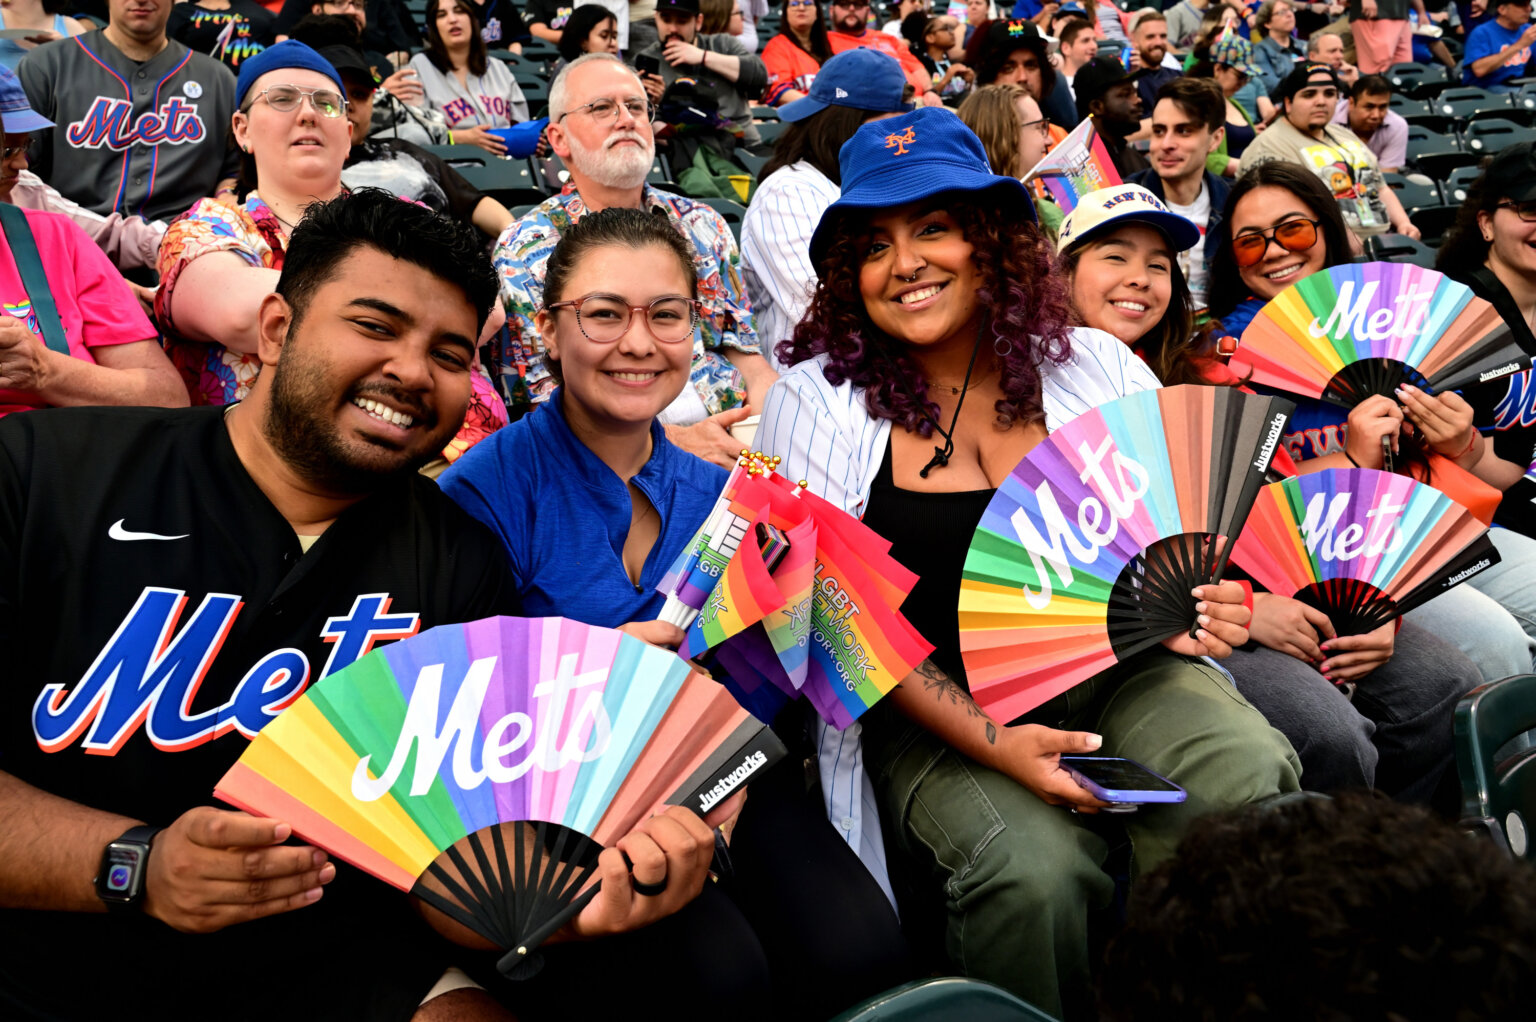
(648, 890)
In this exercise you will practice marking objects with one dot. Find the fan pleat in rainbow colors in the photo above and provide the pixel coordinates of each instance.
(1360, 545)
(1346, 333)
(1055, 586)
(576, 732)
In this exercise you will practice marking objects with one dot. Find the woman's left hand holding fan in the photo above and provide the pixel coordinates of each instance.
(1444, 421)
(1223, 622)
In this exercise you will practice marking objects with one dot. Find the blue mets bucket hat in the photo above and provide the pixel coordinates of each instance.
(897, 160)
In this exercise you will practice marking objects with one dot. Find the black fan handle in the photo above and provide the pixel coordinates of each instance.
(521, 962)
(1279, 414)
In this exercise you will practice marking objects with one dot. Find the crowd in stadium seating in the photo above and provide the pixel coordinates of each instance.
(328, 322)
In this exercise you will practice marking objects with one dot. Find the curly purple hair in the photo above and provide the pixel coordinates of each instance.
(1028, 308)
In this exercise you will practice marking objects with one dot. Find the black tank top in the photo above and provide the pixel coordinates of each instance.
(930, 534)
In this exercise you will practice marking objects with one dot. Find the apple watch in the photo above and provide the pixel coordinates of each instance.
(124, 863)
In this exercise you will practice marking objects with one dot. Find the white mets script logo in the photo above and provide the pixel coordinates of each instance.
(1324, 539)
(1097, 523)
(510, 734)
(1349, 319)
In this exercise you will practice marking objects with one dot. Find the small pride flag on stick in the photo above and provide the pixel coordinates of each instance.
(807, 606)
(1078, 164)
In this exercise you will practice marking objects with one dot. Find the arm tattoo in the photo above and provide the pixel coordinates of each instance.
(946, 689)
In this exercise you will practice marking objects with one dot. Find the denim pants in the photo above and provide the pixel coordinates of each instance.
(1394, 735)
(1019, 876)
(1492, 616)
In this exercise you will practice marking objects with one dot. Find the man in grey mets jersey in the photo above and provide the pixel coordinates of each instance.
(142, 121)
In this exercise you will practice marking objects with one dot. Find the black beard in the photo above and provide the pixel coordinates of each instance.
(312, 446)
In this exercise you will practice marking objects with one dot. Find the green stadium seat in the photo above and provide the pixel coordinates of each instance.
(1413, 194)
(1498, 792)
(509, 182)
(950, 998)
(1459, 183)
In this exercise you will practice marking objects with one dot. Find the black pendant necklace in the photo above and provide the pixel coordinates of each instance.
(941, 455)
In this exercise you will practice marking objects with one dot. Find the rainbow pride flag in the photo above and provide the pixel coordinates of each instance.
(1078, 164)
(823, 623)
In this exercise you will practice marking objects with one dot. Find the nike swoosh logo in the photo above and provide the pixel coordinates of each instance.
(118, 532)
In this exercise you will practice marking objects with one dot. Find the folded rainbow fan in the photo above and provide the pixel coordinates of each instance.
(1361, 329)
(484, 766)
(1089, 549)
(810, 607)
(1361, 546)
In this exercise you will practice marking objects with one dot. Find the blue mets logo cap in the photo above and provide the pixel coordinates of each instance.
(902, 159)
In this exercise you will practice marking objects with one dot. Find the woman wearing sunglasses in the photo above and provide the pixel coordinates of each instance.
(937, 352)
(1490, 247)
(795, 55)
(218, 262)
(1121, 265)
(593, 504)
(1280, 226)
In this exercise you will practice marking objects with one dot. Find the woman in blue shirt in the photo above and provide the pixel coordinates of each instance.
(592, 504)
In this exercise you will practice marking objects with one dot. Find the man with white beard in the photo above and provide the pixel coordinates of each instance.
(600, 126)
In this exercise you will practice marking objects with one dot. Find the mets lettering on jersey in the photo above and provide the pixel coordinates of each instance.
(110, 123)
(148, 675)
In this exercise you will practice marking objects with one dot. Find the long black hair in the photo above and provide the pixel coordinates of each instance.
(1227, 289)
(437, 50)
(1464, 248)
(581, 24)
(821, 47)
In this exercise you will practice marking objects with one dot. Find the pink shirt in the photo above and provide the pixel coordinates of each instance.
(95, 306)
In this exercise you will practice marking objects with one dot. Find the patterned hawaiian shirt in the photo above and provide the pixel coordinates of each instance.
(524, 248)
(215, 375)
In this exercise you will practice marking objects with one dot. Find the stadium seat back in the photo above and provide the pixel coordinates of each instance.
(1433, 222)
(509, 182)
(1459, 183)
(1487, 137)
(952, 997)
(1413, 194)
(460, 156)
(1498, 796)
(1395, 248)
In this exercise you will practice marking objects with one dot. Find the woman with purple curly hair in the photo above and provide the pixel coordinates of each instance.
(936, 354)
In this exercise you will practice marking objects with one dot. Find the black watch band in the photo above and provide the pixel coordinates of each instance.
(124, 863)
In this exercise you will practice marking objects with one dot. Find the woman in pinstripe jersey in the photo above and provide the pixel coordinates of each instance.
(936, 316)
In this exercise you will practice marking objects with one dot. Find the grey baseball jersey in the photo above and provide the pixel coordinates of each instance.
(148, 138)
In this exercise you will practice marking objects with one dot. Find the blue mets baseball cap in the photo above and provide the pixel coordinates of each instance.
(861, 78)
(20, 118)
(897, 160)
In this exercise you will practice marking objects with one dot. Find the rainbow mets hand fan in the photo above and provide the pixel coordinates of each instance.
(1360, 329)
(1089, 549)
(484, 766)
(1361, 546)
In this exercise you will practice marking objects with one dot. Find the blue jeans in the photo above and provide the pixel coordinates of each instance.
(1394, 735)
(1479, 626)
